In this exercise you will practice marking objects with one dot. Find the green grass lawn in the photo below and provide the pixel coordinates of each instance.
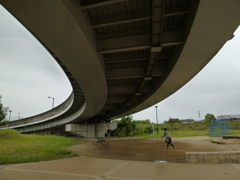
(19, 148)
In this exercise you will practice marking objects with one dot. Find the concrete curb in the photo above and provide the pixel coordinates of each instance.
(213, 157)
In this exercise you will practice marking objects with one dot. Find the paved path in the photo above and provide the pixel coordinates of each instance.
(88, 168)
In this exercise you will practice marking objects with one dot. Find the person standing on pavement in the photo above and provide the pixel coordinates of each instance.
(168, 138)
(109, 133)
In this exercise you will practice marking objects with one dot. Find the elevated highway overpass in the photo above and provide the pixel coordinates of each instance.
(123, 56)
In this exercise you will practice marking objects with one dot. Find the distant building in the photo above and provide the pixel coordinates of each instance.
(187, 120)
(229, 117)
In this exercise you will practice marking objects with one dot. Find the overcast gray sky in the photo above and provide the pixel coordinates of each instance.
(28, 75)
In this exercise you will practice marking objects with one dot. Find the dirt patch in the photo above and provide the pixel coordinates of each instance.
(148, 150)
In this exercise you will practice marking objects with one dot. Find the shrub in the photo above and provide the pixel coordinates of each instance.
(9, 134)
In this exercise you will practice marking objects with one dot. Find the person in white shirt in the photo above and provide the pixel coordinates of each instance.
(168, 138)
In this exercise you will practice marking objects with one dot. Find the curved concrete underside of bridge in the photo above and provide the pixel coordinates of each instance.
(123, 56)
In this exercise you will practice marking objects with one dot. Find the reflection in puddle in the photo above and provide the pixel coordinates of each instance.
(160, 161)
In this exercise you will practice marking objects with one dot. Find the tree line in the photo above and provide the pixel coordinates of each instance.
(129, 127)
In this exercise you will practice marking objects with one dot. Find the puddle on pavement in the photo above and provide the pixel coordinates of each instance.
(160, 161)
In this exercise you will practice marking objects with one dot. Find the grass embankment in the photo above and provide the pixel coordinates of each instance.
(19, 148)
(235, 132)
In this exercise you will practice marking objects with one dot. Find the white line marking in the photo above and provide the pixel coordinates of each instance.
(98, 177)
(111, 171)
(115, 169)
(125, 178)
(106, 175)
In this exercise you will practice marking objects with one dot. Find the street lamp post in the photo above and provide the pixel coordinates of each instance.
(9, 118)
(53, 101)
(153, 131)
(157, 119)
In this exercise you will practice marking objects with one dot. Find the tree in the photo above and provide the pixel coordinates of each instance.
(174, 120)
(172, 123)
(209, 117)
(128, 124)
(147, 121)
(3, 114)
